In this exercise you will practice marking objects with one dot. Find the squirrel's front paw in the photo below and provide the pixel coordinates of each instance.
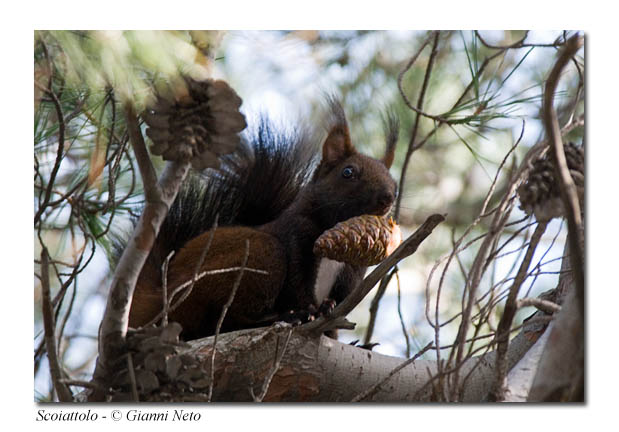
(301, 316)
(298, 317)
(326, 308)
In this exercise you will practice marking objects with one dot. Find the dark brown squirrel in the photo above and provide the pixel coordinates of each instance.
(272, 194)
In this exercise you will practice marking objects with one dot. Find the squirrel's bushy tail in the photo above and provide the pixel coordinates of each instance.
(253, 187)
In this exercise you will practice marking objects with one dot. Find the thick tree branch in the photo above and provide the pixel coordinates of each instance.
(279, 354)
(159, 197)
(560, 371)
(320, 369)
(566, 185)
(374, 389)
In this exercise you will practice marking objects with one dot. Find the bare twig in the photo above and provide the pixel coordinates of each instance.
(276, 364)
(202, 275)
(147, 171)
(520, 43)
(420, 100)
(456, 249)
(380, 292)
(480, 263)
(502, 334)
(402, 324)
(59, 152)
(134, 385)
(199, 263)
(196, 279)
(164, 288)
(543, 305)
(168, 307)
(412, 60)
(64, 394)
(224, 311)
(466, 90)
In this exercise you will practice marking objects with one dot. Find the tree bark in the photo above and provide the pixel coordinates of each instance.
(560, 371)
(320, 369)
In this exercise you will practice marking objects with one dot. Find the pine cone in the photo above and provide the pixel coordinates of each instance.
(363, 240)
(540, 194)
(163, 372)
(199, 125)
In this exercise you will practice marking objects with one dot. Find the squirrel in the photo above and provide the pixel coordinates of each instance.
(280, 193)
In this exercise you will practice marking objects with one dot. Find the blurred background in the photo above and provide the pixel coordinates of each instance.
(490, 93)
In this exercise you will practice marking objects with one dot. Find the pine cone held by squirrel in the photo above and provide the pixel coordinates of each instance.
(363, 240)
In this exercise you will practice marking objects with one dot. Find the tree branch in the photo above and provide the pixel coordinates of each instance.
(159, 196)
(147, 171)
(543, 305)
(511, 307)
(417, 110)
(566, 185)
(222, 316)
(59, 152)
(560, 371)
(374, 389)
(380, 292)
(520, 43)
(64, 394)
(324, 370)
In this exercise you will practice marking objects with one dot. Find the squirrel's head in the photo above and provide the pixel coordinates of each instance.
(347, 183)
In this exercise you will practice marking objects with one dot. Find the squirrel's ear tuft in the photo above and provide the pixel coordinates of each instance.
(391, 127)
(338, 145)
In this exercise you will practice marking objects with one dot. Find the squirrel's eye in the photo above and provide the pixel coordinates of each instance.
(348, 172)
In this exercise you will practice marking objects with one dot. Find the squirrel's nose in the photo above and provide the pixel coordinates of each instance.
(385, 199)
